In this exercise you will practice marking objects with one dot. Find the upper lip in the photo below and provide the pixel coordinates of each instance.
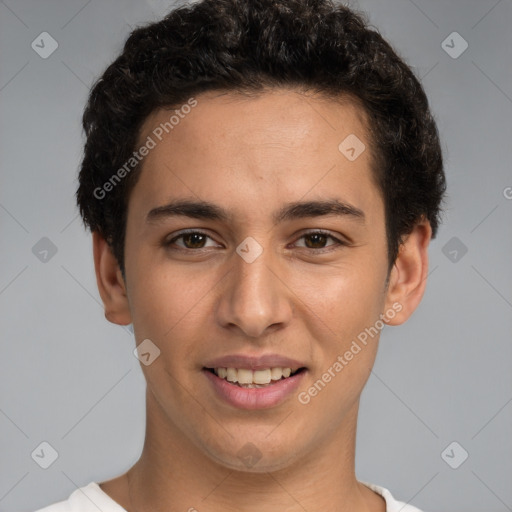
(261, 362)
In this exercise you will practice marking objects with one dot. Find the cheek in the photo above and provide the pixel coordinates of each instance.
(347, 297)
(164, 300)
(350, 305)
(173, 310)
(344, 310)
(345, 355)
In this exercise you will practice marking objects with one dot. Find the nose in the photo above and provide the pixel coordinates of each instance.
(254, 298)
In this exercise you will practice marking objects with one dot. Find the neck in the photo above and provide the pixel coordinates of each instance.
(174, 474)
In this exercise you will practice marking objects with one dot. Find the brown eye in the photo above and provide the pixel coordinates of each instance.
(317, 240)
(193, 240)
(189, 240)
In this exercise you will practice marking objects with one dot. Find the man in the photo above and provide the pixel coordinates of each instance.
(262, 180)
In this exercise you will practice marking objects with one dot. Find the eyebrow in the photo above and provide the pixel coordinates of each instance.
(295, 210)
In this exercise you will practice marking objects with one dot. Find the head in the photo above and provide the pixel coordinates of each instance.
(246, 109)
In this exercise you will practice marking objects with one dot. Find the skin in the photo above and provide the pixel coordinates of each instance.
(251, 156)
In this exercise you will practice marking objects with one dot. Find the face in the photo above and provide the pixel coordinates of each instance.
(254, 278)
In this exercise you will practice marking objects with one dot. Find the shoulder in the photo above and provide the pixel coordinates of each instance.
(89, 498)
(392, 505)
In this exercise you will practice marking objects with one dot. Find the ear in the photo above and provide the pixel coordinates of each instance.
(408, 277)
(110, 282)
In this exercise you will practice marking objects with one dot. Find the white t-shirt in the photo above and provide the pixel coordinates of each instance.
(92, 498)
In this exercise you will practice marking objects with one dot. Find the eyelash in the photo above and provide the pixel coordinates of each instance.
(339, 243)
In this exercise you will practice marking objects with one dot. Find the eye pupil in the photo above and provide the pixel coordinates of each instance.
(197, 239)
(319, 237)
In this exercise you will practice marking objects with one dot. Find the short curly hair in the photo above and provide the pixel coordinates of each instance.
(250, 46)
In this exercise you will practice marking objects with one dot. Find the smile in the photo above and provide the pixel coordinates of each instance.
(247, 378)
(261, 388)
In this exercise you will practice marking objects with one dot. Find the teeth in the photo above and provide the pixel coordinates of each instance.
(276, 373)
(231, 374)
(244, 376)
(261, 376)
(249, 378)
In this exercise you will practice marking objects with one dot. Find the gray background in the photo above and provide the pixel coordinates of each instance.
(69, 377)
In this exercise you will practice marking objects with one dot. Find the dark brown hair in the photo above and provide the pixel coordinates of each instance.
(247, 46)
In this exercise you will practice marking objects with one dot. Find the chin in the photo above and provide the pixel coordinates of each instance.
(254, 456)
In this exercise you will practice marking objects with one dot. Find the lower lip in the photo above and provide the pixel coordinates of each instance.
(255, 398)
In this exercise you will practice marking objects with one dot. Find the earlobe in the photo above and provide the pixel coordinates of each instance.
(111, 285)
(407, 281)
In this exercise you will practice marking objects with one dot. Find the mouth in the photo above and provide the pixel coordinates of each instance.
(254, 381)
(259, 387)
(261, 378)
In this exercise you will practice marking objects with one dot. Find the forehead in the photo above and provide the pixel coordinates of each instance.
(284, 116)
(278, 143)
